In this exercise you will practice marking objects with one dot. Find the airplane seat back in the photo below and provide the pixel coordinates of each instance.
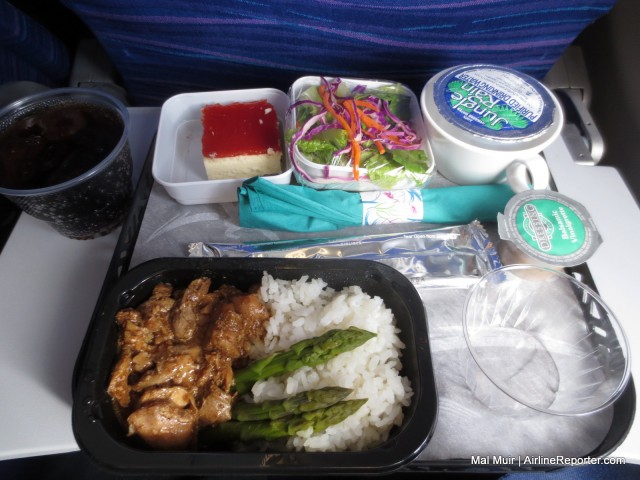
(162, 47)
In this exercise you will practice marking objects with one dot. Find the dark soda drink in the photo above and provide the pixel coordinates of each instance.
(55, 144)
(65, 159)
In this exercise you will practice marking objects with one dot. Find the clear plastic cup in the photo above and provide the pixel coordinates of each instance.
(542, 342)
(65, 159)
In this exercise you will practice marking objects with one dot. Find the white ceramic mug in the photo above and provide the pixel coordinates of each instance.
(490, 124)
(528, 173)
(467, 166)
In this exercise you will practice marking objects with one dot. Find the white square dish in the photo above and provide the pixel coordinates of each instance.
(178, 165)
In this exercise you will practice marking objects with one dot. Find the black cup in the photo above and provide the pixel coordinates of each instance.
(65, 159)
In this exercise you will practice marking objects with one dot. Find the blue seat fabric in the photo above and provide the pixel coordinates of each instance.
(163, 47)
(30, 52)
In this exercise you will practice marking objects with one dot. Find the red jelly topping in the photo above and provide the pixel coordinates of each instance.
(249, 128)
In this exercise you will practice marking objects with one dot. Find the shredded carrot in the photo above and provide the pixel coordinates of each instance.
(332, 111)
(355, 151)
(379, 146)
(352, 114)
(355, 146)
(367, 104)
(370, 122)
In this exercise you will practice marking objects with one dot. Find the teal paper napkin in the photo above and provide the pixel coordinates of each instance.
(263, 204)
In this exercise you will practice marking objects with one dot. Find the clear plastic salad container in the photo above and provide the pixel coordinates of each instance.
(382, 117)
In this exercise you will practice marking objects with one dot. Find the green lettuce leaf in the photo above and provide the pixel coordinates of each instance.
(321, 148)
(415, 161)
(383, 172)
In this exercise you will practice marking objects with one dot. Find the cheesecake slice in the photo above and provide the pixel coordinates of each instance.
(241, 140)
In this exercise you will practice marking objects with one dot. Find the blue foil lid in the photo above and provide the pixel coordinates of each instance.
(494, 102)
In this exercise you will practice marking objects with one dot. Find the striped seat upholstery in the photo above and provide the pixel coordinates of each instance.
(29, 52)
(163, 47)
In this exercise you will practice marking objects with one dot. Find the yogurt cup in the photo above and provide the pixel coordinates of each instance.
(547, 229)
(489, 124)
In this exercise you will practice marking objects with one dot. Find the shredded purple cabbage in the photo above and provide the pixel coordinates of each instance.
(396, 134)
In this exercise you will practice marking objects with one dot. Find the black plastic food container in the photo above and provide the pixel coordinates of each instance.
(99, 434)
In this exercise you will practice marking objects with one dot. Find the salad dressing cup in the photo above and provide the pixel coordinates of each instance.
(547, 229)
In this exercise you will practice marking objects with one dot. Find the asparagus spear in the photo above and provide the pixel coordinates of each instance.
(319, 420)
(294, 405)
(310, 352)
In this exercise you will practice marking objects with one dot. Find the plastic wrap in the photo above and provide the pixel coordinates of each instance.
(444, 256)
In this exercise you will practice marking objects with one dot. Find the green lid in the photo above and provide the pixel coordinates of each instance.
(549, 227)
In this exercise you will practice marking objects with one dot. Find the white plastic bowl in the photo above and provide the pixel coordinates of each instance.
(178, 163)
(543, 342)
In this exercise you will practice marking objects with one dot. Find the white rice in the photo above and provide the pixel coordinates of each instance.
(307, 308)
